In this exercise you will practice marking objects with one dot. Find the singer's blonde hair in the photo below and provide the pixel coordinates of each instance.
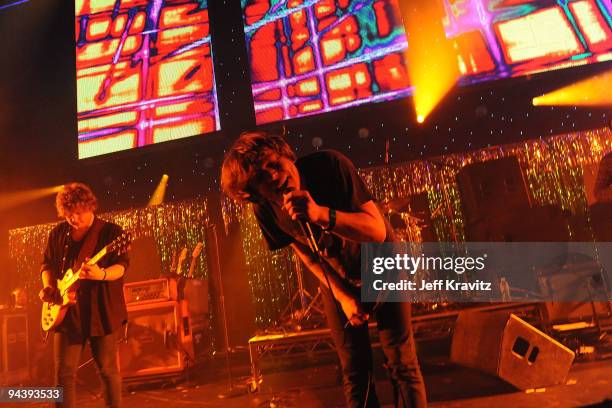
(245, 156)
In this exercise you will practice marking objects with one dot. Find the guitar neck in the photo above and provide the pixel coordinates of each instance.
(194, 258)
(92, 261)
(97, 256)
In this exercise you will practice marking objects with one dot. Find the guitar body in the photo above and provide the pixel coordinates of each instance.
(53, 313)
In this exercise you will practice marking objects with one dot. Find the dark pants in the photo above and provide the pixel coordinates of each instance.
(355, 353)
(67, 359)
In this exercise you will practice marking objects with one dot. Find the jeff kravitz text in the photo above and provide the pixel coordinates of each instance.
(435, 285)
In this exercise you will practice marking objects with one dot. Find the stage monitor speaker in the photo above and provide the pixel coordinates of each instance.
(492, 187)
(503, 345)
(14, 358)
(154, 341)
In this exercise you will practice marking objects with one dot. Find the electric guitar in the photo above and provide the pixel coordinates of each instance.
(53, 313)
(194, 258)
(181, 260)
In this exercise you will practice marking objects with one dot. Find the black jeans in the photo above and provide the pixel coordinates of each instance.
(67, 359)
(355, 353)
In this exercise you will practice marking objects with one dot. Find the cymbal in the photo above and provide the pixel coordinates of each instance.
(398, 205)
(399, 219)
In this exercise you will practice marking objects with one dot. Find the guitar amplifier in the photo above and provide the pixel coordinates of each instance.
(14, 357)
(158, 341)
(150, 291)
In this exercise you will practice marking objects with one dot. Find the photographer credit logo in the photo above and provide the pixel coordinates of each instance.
(485, 271)
(407, 264)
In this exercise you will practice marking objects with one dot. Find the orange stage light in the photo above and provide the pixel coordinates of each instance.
(13, 199)
(594, 91)
(432, 61)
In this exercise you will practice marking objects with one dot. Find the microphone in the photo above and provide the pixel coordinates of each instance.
(306, 228)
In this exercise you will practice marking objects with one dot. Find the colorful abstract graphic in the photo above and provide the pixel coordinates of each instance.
(308, 57)
(144, 73)
(507, 38)
(313, 56)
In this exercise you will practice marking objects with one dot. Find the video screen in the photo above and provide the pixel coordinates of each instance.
(313, 56)
(144, 73)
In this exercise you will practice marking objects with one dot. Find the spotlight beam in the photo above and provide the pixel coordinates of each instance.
(15, 198)
(593, 91)
(432, 61)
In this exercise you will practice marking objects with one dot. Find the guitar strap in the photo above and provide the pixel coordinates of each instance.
(91, 239)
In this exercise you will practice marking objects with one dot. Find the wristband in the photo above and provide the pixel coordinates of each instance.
(332, 220)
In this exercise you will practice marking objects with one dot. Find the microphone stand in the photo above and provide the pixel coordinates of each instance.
(234, 390)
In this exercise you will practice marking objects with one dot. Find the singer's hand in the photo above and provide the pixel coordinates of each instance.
(353, 311)
(300, 206)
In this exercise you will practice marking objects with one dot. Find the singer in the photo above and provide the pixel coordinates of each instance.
(319, 205)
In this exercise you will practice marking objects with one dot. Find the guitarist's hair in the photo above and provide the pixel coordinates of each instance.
(75, 196)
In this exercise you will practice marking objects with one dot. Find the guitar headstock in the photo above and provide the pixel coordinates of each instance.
(197, 250)
(194, 255)
(182, 256)
(181, 259)
(120, 244)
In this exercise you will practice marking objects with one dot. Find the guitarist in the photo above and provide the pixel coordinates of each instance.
(100, 310)
(324, 190)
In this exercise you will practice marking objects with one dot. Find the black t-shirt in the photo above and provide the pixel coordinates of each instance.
(332, 181)
(100, 308)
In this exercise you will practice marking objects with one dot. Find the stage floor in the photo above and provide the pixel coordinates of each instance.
(313, 382)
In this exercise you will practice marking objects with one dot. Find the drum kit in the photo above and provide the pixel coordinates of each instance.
(408, 226)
